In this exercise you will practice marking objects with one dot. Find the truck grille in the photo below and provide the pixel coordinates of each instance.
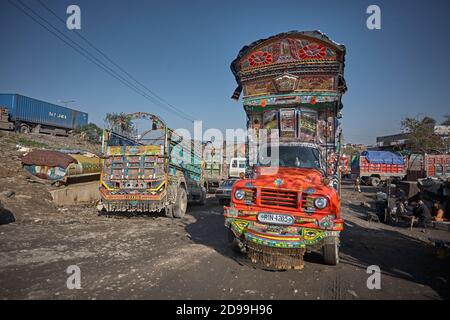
(279, 198)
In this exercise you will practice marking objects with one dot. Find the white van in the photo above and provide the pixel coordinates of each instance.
(237, 165)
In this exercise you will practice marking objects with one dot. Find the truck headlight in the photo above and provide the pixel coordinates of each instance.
(239, 194)
(320, 202)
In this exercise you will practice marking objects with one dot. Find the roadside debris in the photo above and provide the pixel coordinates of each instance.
(59, 166)
(6, 216)
(8, 194)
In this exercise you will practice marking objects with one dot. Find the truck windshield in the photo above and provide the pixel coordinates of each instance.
(290, 156)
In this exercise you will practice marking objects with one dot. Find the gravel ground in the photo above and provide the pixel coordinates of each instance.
(154, 257)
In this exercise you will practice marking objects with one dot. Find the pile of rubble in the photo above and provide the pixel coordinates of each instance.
(22, 197)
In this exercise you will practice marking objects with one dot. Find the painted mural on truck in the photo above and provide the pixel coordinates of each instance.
(156, 170)
(292, 86)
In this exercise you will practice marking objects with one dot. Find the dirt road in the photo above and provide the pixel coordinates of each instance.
(159, 258)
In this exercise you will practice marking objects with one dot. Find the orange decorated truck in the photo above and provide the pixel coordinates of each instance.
(289, 203)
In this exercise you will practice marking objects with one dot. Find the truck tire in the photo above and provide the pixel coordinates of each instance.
(375, 181)
(202, 201)
(168, 212)
(180, 206)
(24, 128)
(235, 244)
(330, 251)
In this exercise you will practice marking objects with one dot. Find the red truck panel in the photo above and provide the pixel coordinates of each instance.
(368, 169)
(440, 162)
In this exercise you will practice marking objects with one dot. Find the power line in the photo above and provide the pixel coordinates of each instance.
(110, 70)
(80, 50)
(110, 60)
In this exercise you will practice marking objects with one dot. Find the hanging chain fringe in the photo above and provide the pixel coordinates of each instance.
(276, 258)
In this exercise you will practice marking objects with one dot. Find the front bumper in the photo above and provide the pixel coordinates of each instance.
(223, 194)
(307, 234)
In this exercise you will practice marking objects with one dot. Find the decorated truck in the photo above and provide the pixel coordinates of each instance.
(156, 171)
(428, 165)
(375, 167)
(289, 203)
(216, 168)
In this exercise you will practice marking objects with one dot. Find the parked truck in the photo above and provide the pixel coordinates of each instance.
(25, 114)
(222, 164)
(237, 167)
(157, 170)
(216, 168)
(289, 204)
(374, 167)
(428, 165)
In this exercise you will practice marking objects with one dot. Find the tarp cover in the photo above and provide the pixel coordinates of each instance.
(47, 158)
(383, 157)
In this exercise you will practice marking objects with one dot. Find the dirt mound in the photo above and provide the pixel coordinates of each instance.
(26, 198)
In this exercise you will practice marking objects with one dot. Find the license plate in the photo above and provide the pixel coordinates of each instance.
(273, 218)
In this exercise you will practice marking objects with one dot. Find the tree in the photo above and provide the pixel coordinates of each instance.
(120, 122)
(446, 122)
(421, 136)
(91, 132)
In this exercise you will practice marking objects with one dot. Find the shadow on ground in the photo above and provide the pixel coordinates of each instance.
(397, 254)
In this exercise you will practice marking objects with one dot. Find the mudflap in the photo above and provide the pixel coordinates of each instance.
(276, 258)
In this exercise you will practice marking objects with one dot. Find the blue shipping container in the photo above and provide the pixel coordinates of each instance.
(29, 110)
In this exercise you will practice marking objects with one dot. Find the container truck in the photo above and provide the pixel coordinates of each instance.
(289, 204)
(25, 114)
(374, 167)
(157, 171)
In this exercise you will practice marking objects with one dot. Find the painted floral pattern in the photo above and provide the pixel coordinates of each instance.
(288, 50)
(313, 51)
(260, 58)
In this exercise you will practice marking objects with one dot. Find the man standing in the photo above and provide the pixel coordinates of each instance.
(357, 184)
(422, 212)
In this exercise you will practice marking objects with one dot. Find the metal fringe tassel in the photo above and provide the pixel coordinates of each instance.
(276, 258)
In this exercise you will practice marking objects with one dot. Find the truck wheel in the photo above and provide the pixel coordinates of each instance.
(223, 202)
(203, 197)
(180, 205)
(168, 212)
(375, 181)
(330, 252)
(235, 244)
(24, 128)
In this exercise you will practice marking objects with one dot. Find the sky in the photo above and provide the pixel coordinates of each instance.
(182, 51)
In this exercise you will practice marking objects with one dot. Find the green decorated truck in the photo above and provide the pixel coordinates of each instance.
(156, 171)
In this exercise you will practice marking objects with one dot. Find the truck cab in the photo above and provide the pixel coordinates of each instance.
(287, 204)
(237, 167)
